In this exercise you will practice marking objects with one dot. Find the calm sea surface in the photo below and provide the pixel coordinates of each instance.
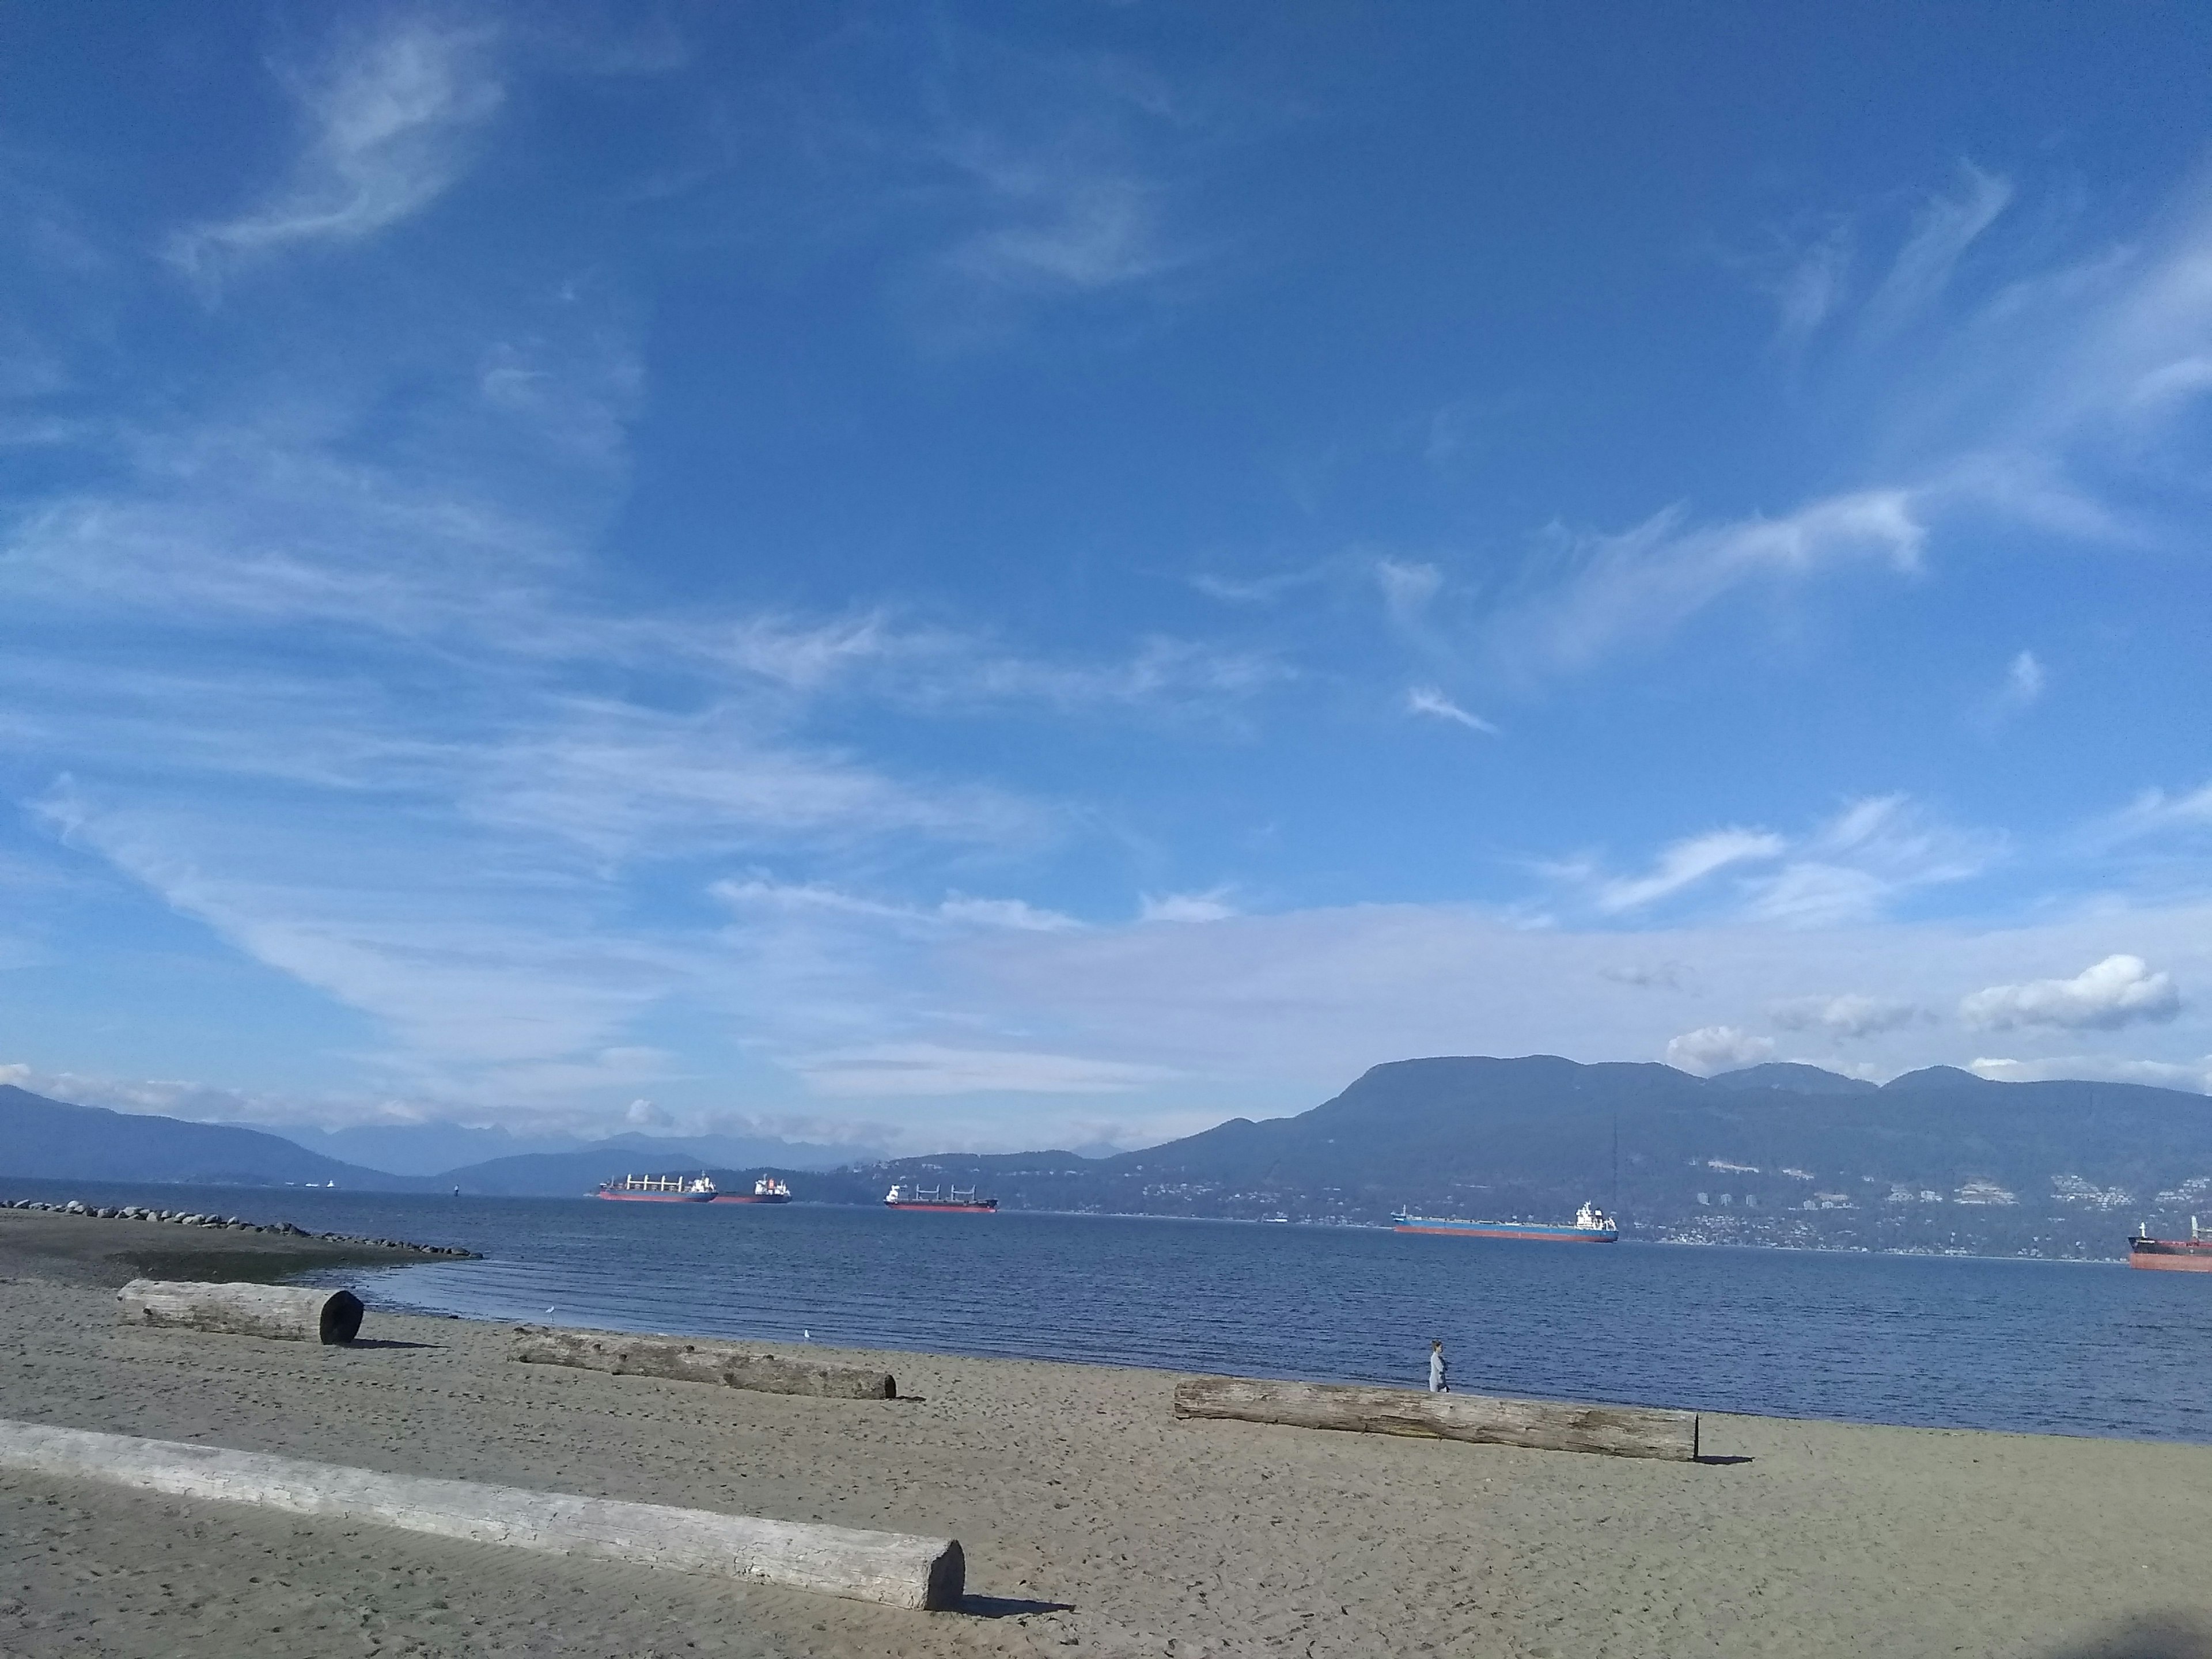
(2046, 1346)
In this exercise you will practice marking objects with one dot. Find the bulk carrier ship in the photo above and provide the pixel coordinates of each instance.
(928, 1198)
(660, 1189)
(690, 1189)
(767, 1190)
(1591, 1226)
(2192, 1255)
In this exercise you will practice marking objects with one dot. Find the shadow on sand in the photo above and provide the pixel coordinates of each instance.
(2149, 1636)
(386, 1342)
(1012, 1606)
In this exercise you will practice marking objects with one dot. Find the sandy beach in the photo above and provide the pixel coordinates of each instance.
(1094, 1521)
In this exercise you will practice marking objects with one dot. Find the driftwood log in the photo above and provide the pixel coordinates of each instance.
(685, 1360)
(889, 1567)
(285, 1311)
(1540, 1425)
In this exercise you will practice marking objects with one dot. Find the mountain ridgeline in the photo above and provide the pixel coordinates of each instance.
(1780, 1154)
(1937, 1159)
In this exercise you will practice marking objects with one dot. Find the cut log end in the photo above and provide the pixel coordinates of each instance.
(948, 1581)
(340, 1320)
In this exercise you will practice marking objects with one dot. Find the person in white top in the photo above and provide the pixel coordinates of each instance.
(1436, 1382)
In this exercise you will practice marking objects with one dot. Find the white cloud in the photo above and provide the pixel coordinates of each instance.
(2100, 1068)
(2121, 990)
(1428, 700)
(1712, 1049)
(388, 118)
(1210, 906)
(1851, 1015)
(1813, 289)
(2154, 812)
(1945, 227)
(2022, 689)
(1871, 854)
(644, 1115)
(1646, 582)
(886, 1070)
(956, 909)
(1408, 587)
(1017, 914)
(1065, 230)
(1851, 869)
(1688, 862)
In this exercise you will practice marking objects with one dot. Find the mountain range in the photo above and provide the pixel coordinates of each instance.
(1780, 1154)
(1785, 1154)
(54, 1140)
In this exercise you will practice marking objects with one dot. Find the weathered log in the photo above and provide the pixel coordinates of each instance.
(1540, 1425)
(889, 1567)
(685, 1360)
(287, 1312)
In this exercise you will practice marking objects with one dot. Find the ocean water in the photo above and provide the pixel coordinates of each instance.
(2051, 1347)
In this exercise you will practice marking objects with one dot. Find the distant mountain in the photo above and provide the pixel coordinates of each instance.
(1791, 1075)
(452, 1150)
(422, 1148)
(1937, 1159)
(52, 1139)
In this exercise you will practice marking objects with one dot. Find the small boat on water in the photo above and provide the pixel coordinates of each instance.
(660, 1190)
(929, 1198)
(2192, 1255)
(1591, 1226)
(767, 1190)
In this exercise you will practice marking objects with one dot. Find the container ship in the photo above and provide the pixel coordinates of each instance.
(767, 1190)
(2192, 1255)
(1591, 1226)
(660, 1189)
(929, 1198)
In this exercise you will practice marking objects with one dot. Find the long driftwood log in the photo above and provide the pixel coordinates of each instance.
(1540, 1425)
(889, 1567)
(685, 1360)
(287, 1312)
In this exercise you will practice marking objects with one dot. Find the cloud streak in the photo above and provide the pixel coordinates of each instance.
(387, 118)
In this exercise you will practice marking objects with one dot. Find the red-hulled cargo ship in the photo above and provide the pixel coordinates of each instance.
(767, 1190)
(2192, 1255)
(660, 1189)
(929, 1198)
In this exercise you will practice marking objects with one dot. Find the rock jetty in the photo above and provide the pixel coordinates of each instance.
(195, 1219)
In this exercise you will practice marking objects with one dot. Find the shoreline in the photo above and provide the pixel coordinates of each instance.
(109, 1245)
(2118, 1259)
(1093, 1520)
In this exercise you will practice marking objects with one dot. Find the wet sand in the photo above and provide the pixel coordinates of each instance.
(1094, 1522)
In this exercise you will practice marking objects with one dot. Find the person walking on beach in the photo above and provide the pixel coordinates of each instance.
(1438, 1384)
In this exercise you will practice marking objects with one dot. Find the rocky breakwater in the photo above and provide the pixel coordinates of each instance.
(193, 1219)
(67, 1241)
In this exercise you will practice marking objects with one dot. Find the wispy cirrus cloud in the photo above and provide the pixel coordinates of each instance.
(1642, 584)
(1945, 225)
(388, 113)
(1849, 870)
(1853, 1014)
(1429, 700)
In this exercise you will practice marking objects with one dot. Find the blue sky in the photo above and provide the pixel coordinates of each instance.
(997, 576)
